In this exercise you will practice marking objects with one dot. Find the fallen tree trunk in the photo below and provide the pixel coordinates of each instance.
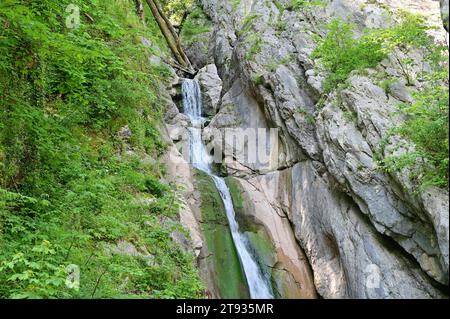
(174, 34)
(171, 37)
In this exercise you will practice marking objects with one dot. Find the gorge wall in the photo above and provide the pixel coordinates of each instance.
(323, 220)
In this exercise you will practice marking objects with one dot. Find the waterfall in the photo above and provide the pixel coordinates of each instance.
(258, 286)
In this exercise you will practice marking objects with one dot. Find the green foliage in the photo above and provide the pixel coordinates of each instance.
(409, 33)
(272, 65)
(386, 85)
(427, 117)
(254, 42)
(279, 6)
(427, 126)
(248, 23)
(68, 190)
(280, 26)
(235, 4)
(176, 9)
(406, 36)
(153, 186)
(258, 79)
(301, 4)
(341, 53)
(196, 24)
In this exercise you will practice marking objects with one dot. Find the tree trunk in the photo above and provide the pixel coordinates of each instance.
(174, 34)
(183, 19)
(169, 34)
(140, 11)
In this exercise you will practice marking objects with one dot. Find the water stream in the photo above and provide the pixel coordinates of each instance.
(258, 286)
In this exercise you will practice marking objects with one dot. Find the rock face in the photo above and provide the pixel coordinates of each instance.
(220, 255)
(364, 233)
(196, 36)
(272, 239)
(444, 13)
(211, 86)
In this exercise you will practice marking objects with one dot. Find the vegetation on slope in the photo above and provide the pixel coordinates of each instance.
(195, 25)
(341, 52)
(70, 189)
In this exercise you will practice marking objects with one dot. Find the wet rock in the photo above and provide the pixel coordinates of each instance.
(211, 86)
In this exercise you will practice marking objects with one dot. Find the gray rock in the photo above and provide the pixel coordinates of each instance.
(211, 86)
(346, 252)
(125, 133)
(399, 91)
(365, 233)
(444, 13)
(124, 247)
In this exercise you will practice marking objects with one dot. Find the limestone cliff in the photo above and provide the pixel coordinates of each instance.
(330, 215)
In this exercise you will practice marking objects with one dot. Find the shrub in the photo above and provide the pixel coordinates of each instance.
(427, 126)
(196, 24)
(66, 196)
(340, 52)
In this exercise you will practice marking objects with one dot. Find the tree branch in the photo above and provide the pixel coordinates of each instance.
(170, 35)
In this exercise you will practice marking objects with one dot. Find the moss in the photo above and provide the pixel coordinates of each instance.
(243, 219)
(196, 27)
(230, 280)
(283, 283)
(236, 193)
(260, 242)
(235, 4)
(263, 250)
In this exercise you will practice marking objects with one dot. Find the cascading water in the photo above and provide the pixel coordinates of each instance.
(200, 159)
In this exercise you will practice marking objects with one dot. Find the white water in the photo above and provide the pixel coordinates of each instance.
(200, 159)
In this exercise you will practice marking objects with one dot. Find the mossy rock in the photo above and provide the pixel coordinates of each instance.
(263, 251)
(245, 220)
(196, 27)
(228, 274)
(259, 240)
(284, 284)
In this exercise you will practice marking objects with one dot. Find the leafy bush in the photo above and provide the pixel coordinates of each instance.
(34, 275)
(155, 187)
(427, 126)
(427, 117)
(177, 9)
(410, 34)
(68, 193)
(197, 23)
(340, 52)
